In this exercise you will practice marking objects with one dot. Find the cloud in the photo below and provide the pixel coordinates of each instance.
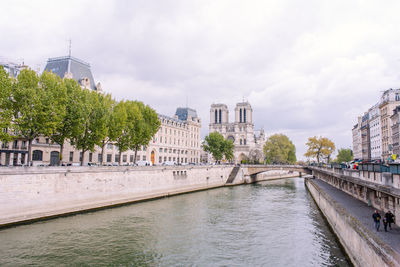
(307, 68)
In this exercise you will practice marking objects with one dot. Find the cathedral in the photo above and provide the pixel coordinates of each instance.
(248, 142)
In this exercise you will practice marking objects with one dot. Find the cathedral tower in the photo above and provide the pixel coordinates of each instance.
(219, 114)
(243, 113)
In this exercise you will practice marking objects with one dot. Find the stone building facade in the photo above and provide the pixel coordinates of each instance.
(248, 144)
(373, 136)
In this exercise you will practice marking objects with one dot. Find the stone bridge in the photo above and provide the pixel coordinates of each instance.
(251, 171)
(256, 169)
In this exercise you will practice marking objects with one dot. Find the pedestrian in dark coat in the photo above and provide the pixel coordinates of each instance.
(390, 218)
(385, 223)
(377, 220)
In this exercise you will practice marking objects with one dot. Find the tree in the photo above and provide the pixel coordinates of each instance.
(279, 150)
(218, 146)
(5, 105)
(344, 155)
(256, 156)
(227, 149)
(73, 111)
(111, 130)
(319, 148)
(93, 123)
(145, 127)
(38, 105)
(126, 115)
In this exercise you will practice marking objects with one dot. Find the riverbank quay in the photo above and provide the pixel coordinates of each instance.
(37, 193)
(351, 220)
(29, 194)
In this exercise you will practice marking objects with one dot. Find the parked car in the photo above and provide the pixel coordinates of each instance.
(168, 163)
(143, 163)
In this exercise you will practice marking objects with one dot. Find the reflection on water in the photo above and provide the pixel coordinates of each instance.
(273, 223)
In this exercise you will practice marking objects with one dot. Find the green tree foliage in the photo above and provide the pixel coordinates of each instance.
(46, 105)
(111, 131)
(93, 123)
(344, 155)
(145, 128)
(126, 115)
(74, 107)
(5, 105)
(279, 150)
(218, 146)
(38, 105)
(319, 148)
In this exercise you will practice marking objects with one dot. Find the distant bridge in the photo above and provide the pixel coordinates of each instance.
(252, 170)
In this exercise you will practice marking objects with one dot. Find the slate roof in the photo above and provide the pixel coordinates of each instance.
(78, 68)
(183, 113)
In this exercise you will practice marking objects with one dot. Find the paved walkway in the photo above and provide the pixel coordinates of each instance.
(363, 213)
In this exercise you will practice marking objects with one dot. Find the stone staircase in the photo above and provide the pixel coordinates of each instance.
(233, 174)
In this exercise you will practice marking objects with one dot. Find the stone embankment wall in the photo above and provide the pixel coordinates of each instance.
(28, 194)
(275, 174)
(363, 248)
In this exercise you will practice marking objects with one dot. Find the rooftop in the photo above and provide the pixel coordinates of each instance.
(78, 68)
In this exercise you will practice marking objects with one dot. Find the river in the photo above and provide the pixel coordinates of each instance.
(274, 223)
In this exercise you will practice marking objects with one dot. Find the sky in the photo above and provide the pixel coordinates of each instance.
(308, 68)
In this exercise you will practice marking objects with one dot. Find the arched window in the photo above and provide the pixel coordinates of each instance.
(240, 117)
(216, 116)
(244, 141)
(220, 116)
(244, 115)
(37, 155)
(240, 141)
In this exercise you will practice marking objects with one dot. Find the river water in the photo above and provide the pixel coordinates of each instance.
(273, 223)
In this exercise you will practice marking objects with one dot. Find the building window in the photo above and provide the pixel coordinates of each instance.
(116, 157)
(240, 115)
(244, 141)
(100, 158)
(144, 157)
(15, 144)
(159, 159)
(90, 156)
(71, 156)
(37, 155)
(131, 158)
(160, 150)
(165, 158)
(220, 116)
(110, 146)
(216, 116)
(109, 157)
(47, 140)
(244, 115)
(124, 158)
(240, 141)
(23, 145)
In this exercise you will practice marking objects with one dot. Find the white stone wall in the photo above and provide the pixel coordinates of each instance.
(27, 193)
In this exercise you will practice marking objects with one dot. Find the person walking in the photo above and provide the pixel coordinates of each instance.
(385, 223)
(377, 220)
(389, 218)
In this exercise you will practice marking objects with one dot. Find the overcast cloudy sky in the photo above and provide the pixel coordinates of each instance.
(306, 67)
